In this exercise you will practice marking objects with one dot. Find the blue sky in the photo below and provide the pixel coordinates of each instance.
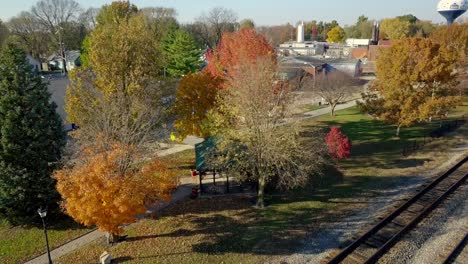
(271, 12)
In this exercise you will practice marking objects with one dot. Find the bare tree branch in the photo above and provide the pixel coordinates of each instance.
(334, 87)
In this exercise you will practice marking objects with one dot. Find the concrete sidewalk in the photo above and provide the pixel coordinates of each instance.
(326, 110)
(183, 191)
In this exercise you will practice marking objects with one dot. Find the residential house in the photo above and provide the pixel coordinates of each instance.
(72, 60)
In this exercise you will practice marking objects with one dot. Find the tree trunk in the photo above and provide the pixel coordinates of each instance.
(111, 238)
(398, 131)
(333, 106)
(261, 192)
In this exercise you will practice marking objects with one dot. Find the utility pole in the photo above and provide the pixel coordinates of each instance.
(62, 50)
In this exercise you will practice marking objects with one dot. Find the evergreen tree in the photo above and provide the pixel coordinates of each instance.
(31, 139)
(182, 53)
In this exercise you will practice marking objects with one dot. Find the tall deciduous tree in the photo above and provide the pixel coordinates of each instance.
(209, 28)
(247, 23)
(416, 82)
(318, 30)
(336, 35)
(455, 38)
(118, 101)
(97, 192)
(182, 53)
(120, 81)
(235, 48)
(88, 18)
(31, 34)
(74, 34)
(195, 97)
(4, 32)
(395, 28)
(253, 144)
(53, 15)
(362, 29)
(31, 139)
(162, 21)
(277, 34)
(334, 87)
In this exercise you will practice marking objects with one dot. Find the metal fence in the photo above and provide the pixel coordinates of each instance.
(446, 127)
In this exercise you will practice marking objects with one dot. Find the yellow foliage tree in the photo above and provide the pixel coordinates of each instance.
(117, 100)
(416, 82)
(395, 28)
(336, 35)
(97, 192)
(195, 97)
(455, 38)
(119, 93)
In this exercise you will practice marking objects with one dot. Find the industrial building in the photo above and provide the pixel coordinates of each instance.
(310, 57)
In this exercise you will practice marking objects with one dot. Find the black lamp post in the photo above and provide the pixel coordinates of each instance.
(43, 214)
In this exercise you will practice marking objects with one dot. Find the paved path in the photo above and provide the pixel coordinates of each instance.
(182, 192)
(326, 110)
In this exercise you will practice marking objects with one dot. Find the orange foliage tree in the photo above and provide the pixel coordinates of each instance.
(245, 45)
(195, 97)
(98, 191)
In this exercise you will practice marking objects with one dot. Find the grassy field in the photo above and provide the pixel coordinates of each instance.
(18, 244)
(182, 162)
(230, 230)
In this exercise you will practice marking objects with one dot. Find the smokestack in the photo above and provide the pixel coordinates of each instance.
(300, 32)
(375, 33)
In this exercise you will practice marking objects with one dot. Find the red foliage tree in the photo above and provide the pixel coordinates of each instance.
(338, 144)
(234, 48)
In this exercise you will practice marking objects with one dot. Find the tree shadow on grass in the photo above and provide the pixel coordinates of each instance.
(121, 259)
(232, 225)
(139, 238)
(58, 222)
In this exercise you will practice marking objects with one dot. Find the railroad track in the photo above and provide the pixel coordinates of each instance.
(454, 254)
(373, 244)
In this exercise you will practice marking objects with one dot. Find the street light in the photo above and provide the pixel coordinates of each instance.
(43, 213)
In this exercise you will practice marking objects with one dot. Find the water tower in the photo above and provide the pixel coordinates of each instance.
(452, 9)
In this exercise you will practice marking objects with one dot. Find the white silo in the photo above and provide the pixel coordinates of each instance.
(300, 32)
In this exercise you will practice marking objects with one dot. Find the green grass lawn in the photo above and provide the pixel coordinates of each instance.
(230, 230)
(182, 162)
(18, 244)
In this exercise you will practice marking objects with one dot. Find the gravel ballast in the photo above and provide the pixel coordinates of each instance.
(331, 235)
(435, 236)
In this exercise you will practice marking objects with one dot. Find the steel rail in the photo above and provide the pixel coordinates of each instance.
(359, 241)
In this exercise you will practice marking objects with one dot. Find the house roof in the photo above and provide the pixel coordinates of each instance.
(300, 62)
(342, 61)
(70, 56)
